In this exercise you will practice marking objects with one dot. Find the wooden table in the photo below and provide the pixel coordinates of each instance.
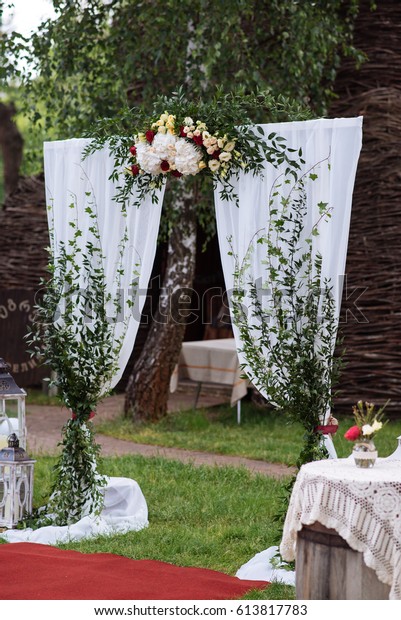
(343, 526)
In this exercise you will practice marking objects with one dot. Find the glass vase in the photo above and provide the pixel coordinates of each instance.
(364, 453)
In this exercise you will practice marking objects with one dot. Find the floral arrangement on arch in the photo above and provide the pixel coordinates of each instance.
(179, 137)
(183, 148)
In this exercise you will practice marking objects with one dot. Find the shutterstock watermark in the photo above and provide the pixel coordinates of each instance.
(187, 306)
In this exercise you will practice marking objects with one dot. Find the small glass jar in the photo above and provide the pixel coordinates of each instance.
(364, 453)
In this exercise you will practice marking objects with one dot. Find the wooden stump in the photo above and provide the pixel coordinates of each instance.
(328, 569)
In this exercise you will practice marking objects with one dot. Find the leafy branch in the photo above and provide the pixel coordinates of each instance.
(287, 323)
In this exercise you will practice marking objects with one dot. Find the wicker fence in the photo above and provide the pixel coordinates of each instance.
(371, 311)
(23, 238)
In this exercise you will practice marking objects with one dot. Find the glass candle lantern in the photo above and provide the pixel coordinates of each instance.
(12, 408)
(16, 483)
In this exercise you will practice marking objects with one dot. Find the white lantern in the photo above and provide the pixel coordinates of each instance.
(12, 407)
(16, 483)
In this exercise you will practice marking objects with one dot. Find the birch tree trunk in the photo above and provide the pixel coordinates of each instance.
(149, 384)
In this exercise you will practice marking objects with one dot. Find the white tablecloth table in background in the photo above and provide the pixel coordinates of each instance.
(211, 361)
(362, 505)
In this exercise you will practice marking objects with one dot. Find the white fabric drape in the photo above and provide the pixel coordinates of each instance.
(330, 148)
(124, 510)
(73, 184)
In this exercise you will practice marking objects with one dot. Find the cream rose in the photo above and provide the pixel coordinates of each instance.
(225, 156)
(214, 165)
(229, 146)
(376, 426)
(367, 430)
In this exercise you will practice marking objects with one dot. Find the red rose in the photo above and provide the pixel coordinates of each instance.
(176, 173)
(135, 169)
(353, 433)
(216, 154)
(165, 166)
(198, 140)
(182, 132)
(149, 135)
(132, 150)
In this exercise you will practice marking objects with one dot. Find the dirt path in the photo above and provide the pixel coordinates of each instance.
(44, 433)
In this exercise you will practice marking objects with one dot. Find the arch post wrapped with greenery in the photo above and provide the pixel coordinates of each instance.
(74, 333)
(287, 321)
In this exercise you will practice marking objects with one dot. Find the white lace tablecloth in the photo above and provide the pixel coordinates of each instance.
(362, 505)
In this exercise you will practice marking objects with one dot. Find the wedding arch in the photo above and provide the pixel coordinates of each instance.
(104, 197)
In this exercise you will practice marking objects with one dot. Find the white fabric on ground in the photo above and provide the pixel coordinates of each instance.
(125, 509)
(259, 568)
(71, 180)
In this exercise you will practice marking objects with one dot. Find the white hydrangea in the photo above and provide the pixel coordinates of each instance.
(147, 158)
(187, 157)
(150, 156)
(164, 145)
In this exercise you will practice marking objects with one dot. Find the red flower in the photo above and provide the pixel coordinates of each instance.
(165, 166)
(198, 140)
(132, 150)
(182, 132)
(353, 433)
(216, 154)
(91, 415)
(149, 135)
(176, 173)
(135, 169)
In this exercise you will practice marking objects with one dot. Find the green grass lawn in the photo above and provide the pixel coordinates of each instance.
(262, 434)
(215, 518)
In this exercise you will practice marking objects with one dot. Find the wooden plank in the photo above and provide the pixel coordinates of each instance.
(328, 569)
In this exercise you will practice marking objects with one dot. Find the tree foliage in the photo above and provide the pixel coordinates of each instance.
(96, 55)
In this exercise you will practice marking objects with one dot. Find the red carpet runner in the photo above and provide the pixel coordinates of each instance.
(40, 572)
